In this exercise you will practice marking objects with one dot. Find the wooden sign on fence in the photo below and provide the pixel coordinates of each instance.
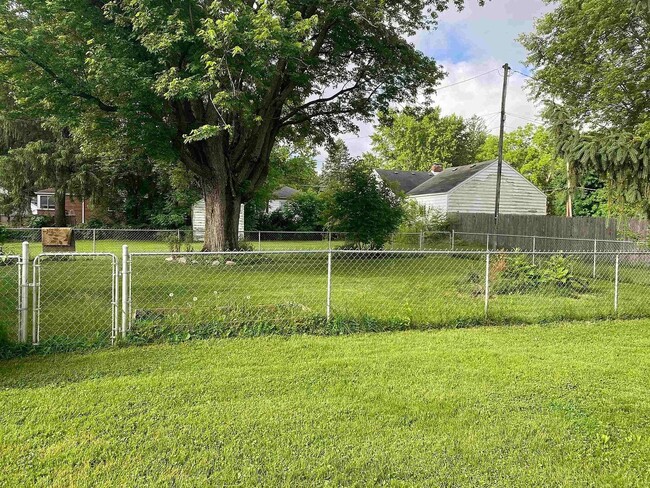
(57, 239)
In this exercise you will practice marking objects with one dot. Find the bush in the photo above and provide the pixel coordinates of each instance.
(305, 212)
(302, 213)
(515, 273)
(365, 209)
(40, 221)
(423, 219)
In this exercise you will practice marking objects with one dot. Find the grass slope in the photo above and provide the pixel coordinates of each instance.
(565, 404)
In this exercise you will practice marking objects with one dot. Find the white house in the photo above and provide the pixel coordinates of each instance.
(198, 220)
(280, 197)
(469, 189)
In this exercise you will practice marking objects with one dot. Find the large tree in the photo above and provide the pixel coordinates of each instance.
(591, 61)
(218, 82)
(415, 138)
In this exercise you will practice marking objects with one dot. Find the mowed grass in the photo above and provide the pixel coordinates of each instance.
(555, 405)
(409, 291)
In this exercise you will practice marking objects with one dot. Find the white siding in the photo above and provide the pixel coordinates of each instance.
(436, 201)
(275, 204)
(477, 194)
(198, 221)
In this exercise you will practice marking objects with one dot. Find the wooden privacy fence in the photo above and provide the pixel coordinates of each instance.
(516, 231)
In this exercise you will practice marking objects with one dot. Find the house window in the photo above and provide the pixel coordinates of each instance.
(47, 202)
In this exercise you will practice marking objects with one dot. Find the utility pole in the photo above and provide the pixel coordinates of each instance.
(506, 69)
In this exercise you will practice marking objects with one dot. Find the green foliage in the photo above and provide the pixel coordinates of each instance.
(415, 138)
(291, 164)
(337, 161)
(214, 85)
(173, 242)
(418, 218)
(39, 221)
(516, 273)
(305, 210)
(364, 208)
(590, 60)
(302, 212)
(4, 235)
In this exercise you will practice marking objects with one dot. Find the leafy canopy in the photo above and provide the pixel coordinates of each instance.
(415, 138)
(188, 71)
(591, 61)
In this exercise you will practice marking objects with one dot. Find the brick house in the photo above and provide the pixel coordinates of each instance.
(77, 211)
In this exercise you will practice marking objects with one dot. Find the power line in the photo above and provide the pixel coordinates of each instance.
(466, 80)
(523, 74)
(533, 121)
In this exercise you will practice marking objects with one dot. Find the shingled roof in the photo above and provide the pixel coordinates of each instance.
(284, 193)
(405, 180)
(449, 178)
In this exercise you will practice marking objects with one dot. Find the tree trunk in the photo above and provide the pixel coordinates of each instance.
(59, 209)
(221, 217)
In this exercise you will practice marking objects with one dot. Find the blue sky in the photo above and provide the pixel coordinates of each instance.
(468, 43)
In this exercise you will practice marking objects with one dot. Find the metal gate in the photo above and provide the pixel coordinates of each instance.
(10, 297)
(75, 298)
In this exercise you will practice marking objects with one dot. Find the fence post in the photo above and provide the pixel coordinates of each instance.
(595, 250)
(616, 286)
(24, 293)
(421, 240)
(259, 240)
(329, 240)
(487, 282)
(94, 240)
(329, 283)
(178, 234)
(126, 286)
(534, 248)
(487, 243)
(453, 239)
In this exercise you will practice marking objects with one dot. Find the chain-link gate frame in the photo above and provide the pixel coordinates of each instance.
(11, 292)
(38, 286)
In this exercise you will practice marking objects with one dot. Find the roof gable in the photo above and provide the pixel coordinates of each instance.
(405, 180)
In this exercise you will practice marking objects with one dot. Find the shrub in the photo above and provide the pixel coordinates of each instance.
(305, 212)
(40, 221)
(363, 208)
(557, 272)
(515, 273)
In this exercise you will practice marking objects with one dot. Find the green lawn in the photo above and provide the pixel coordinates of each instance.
(555, 405)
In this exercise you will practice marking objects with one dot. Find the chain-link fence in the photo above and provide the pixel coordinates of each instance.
(75, 297)
(420, 288)
(10, 272)
(161, 240)
(85, 298)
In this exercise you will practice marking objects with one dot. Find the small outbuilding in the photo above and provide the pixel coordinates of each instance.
(468, 189)
(198, 221)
